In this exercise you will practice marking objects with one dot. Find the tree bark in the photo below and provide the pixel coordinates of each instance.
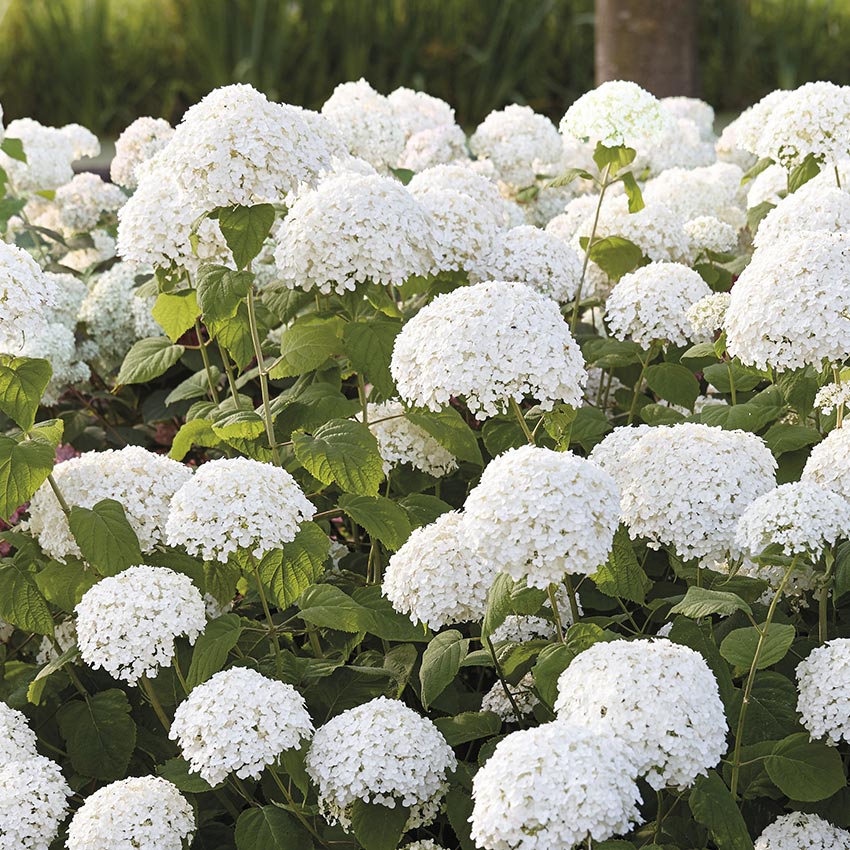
(652, 42)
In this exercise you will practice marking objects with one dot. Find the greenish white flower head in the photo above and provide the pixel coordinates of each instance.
(823, 685)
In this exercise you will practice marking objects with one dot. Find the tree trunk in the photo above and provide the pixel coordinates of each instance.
(652, 42)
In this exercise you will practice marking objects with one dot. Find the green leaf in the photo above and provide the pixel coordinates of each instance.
(507, 597)
(450, 430)
(558, 423)
(551, 662)
(381, 517)
(784, 437)
(369, 347)
(235, 335)
(622, 575)
(719, 376)
(24, 466)
(674, 383)
(378, 827)
(805, 770)
(440, 664)
(306, 345)
(423, 509)
(284, 302)
(63, 585)
(756, 214)
(270, 828)
(700, 355)
(386, 622)
(243, 424)
(611, 353)
(801, 174)
(567, 177)
(195, 386)
(468, 726)
(245, 229)
(772, 710)
(329, 607)
(589, 427)
(617, 157)
(21, 602)
(764, 163)
(177, 772)
(37, 685)
(212, 648)
(739, 646)
(713, 806)
(22, 383)
(688, 633)
(13, 148)
(459, 812)
(99, 734)
(221, 291)
(176, 312)
(106, 539)
(616, 256)
(289, 571)
(148, 359)
(700, 602)
(633, 193)
(342, 452)
(194, 432)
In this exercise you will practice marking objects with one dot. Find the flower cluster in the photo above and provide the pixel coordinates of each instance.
(823, 683)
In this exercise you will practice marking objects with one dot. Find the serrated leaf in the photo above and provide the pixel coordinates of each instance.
(551, 662)
(245, 228)
(450, 430)
(242, 424)
(177, 772)
(21, 602)
(195, 386)
(468, 726)
(289, 571)
(270, 828)
(784, 437)
(148, 359)
(801, 174)
(674, 383)
(378, 827)
(176, 312)
(381, 517)
(701, 602)
(567, 177)
(194, 432)
(616, 256)
(805, 770)
(622, 575)
(423, 509)
(616, 157)
(234, 334)
(713, 806)
(22, 383)
(369, 347)
(24, 466)
(63, 585)
(440, 664)
(105, 537)
(306, 345)
(212, 648)
(739, 646)
(221, 291)
(37, 685)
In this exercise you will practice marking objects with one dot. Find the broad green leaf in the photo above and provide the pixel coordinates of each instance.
(559, 425)
(673, 383)
(551, 662)
(756, 214)
(387, 623)
(37, 685)
(235, 335)
(468, 726)
(507, 597)
(289, 571)
(63, 585)
(622, 575)
(99, 734)
(722, 375)
(212, 648)
(611, 353)
(700, 355)
(220, 291)
(713, 806)
(106, 539)
(378, 827)
(22, 383)
(306, 345)
(220, 579)
(194, 432)
(423, 509)
(501, 433)
(342, 452)
(701, 602)
(243, 424)
(440, 663)
(176, 771)
(772, 712)
(148, 359)
(284, 302)
(616, 256)
(195, 386)
(245, 229)
(369, 347)
(24, 466)
(450, 430)
(616, 157)
(589, 428)
(659, 414)
(688, 633)
(329, 607)
(459, 811)
(14, 149)
(567, 177)
(805, 770)
(764, 163)
(633, 193)
(176, 312)
(785, 437)
(270, 828)
(801, 174)
(382, 518)
(739, 646)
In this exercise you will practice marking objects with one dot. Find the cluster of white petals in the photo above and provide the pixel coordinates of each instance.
(539, 514)
(823, 685)
(142, 813)
(708, 233)
(708, 315)
(84, 143)
(239, 721)
(802, 831)
(486, 343)
(681, 145)
(434, 146)
(17, 740)
(811, 207)
(65, 635)
(610, 452)
(713, 190)
(829, 462)
(81, 203)
(520, 628)
(127, 624)
(27, 294)
(550, 787)
(436, 577)
(692, 109)
(380, 752)
(236, 503)
(49, 154)
(832, 396)
(137, 143)
(524, 699)
(417, 110)
(56, 344)
(142, 481)
(658, 697)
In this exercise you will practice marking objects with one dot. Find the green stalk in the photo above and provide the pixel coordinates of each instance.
(522, 423)
(207, 367)
(264, 377)
(150, 693)
(552, 601)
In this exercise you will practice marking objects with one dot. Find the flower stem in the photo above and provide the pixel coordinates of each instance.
(231, 381)
(150, 693)
(266, 610)
(568, 582)
(264, 377)
(501, 675)
(839, 405)
(207, 367)
(58, 493)
(294, 808)
(522, 423)
(553, 602)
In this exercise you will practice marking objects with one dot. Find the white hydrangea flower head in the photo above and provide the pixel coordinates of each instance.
(658, 697)
(127, 623)
(142, 481)
(680, 146)
(69, 292)
(692, 109)
(813, 119)
(137, 143)
(83, 201)
(400, 441)
(354, 228)
(802, 831)
(239, 721)
(49, 154)
(17, 740)
(84, 143)
(514, 138)
(686, 486)
(770, 186)
(832, 396)
(434, 146)
(708, 315)
(549, 202)
(417, 111)
(811, 207)
(27, 297)
(486, 343)
(144, 324)
(616, 113)
(423, 844)
(749, 125)
(521, 628)
(532, 256)
(550, 787)
(823, 683)
(368, 123)
(236, 503)
(802, 517)
(556, 514)
(82, 260)
(610, 453)
(496, 700)
(33, 802)
(56, 343)
(829, 462)
(566, 225)
(790, 307)
(713, 190)
(436, 577)
(651, 304)
(380, 752)
(142, 813)
(708, 233)
(65, 634)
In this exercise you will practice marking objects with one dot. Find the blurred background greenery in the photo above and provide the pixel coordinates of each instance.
(102, 63)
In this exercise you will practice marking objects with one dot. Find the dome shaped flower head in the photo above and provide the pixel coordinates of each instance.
(33, 802)
(49, 154)
(713, 190)
(691, 109)
(239, 721)
(529, 255)
(539, 514)
(380, 752)
(832, 396)
(552, 786)
(566, 225)
(417, 111)
(486, 343)
(708, 315)
(811, 207)
(69, 292)
(829, 463)
(791, 306)
(658, 697)
(27, 297)
(139, 813)
(524, 698)
(17, 740)
(142, 481)
(367, 122)
(354, 228)
(616, 113)
(434, 146)
(84, 143)
(610, 453)
(84, 201)
(436, 577)
(521, 628)
(802, 517)
(686, 486)
(127, 623)
(514, 138)
(823, 685)
(681, 145)
(651, 304)
(236, 503)
(138, 142)
(750, 123)
(708, 233)
(802, 831)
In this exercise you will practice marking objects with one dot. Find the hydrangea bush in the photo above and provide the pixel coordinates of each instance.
(368, 485)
